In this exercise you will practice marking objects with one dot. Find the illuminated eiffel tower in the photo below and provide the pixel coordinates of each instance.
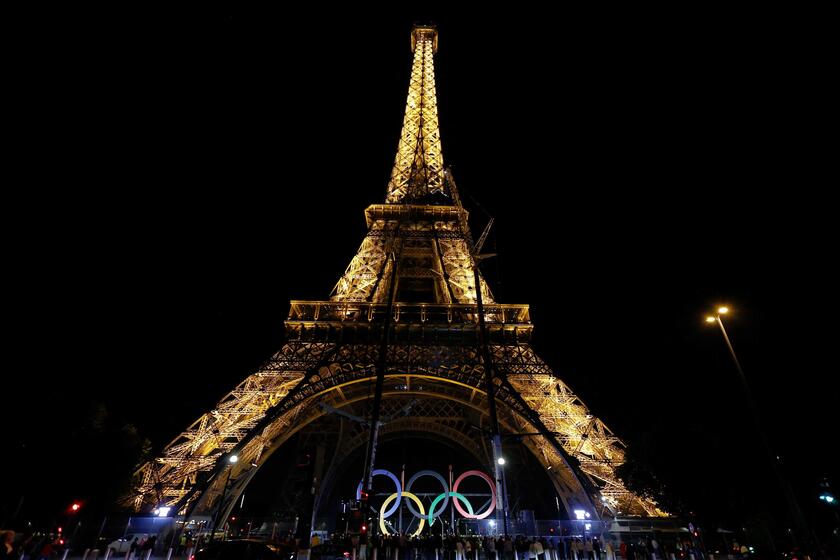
(410, 320)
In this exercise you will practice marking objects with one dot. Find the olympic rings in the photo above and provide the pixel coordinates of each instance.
(492, 494)
(433, 510)
(447, 494)
(388, 500)
(390, 475)
(445, 486)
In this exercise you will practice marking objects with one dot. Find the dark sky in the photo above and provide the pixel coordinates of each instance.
(180, 177)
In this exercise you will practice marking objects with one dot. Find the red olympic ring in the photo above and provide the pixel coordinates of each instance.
(489, 482)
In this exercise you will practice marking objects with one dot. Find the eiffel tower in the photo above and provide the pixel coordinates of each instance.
(411, 320)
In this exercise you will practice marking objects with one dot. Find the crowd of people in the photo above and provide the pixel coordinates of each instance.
(438, 547)
(51, 547)
(402, 547)
(29, 546)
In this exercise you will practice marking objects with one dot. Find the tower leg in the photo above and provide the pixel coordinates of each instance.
(305, 517)
(496, 440)
(381, 365)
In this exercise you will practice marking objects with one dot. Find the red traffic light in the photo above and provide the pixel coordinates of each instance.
(59, 530)
(76, 506)
(364, 528)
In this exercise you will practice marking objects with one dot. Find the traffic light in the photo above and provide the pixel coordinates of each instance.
(59, 530)
(75, 507)
(364, 528)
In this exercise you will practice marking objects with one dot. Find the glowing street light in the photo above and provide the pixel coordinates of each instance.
(233, 459)
(501, 460)
(723, 310)
(784, 486)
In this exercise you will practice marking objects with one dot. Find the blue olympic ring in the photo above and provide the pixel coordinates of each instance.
(390, 475)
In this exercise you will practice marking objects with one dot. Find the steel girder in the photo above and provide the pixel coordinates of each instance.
(273, 403)
(418, 167)
(441, 248)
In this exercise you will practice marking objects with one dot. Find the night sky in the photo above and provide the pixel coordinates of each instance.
(178, 178)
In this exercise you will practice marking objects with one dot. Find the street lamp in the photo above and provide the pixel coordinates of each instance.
(716, 318)
(723, 310)
(793, 505)
(232, 460)
(501, 491)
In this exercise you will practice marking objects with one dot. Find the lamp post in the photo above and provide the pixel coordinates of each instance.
(784, 486)
(233, 459)
(716, 318)
(501, 463)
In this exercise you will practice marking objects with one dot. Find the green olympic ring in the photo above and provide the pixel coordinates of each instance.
(456, 495)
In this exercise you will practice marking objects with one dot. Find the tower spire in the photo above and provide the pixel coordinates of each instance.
(418, 168)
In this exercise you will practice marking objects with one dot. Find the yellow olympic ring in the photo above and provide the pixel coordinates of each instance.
(390, 499)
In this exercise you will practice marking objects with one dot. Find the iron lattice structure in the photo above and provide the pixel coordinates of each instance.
(419, 248)
(418, 167)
